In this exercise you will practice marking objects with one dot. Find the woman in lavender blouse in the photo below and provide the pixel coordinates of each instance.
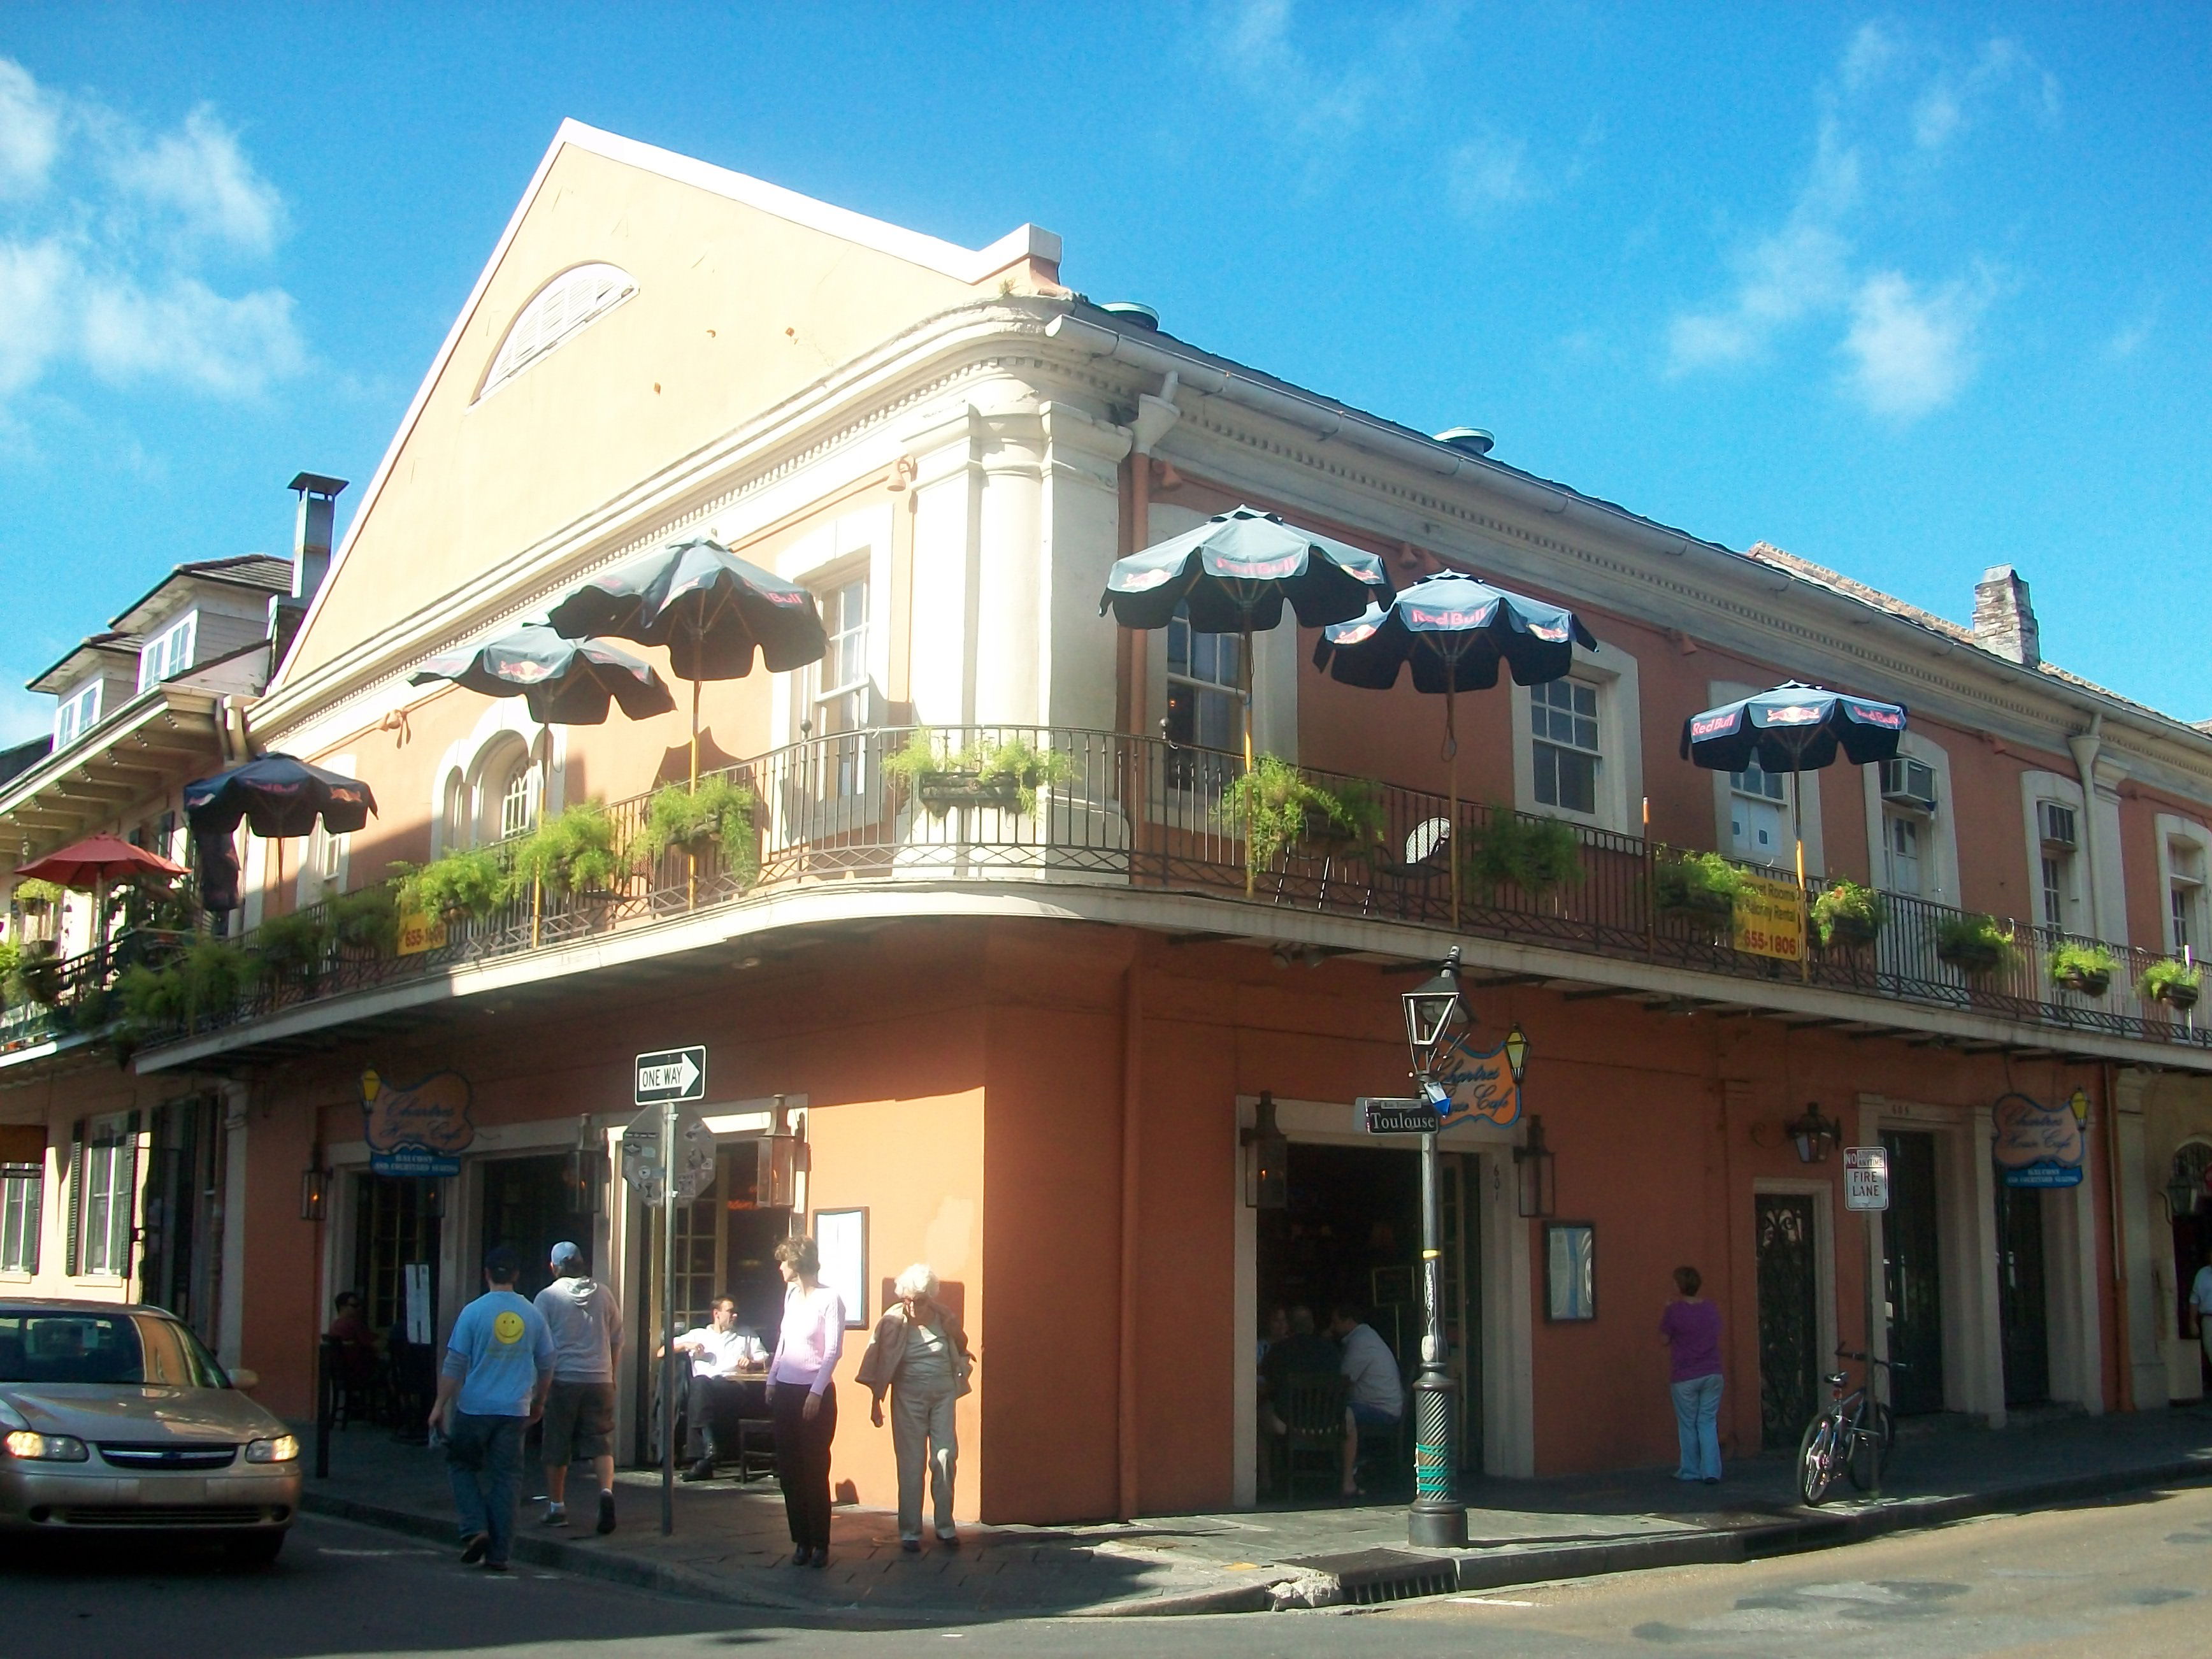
(802, 1397)
(1691, 1329)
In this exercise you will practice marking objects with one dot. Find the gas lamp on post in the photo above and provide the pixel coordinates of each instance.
(1436, 1013)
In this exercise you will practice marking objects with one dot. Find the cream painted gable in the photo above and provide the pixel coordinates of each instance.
(745, 293)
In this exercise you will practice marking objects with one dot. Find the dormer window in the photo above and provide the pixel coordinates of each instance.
(557, 311)
(169, 653)
(77, 714)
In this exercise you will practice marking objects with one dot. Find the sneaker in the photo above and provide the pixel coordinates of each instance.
(494, 1566)
(950, 1540)
(607, 1514)
(554, 1516)
(473, 1547)
(911, 1545)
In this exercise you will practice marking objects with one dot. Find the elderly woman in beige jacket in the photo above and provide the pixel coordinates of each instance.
(920, 1354)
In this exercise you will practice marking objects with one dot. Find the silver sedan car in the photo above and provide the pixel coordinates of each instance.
(115, 1419)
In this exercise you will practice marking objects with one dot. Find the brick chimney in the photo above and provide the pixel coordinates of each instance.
(2004, 622)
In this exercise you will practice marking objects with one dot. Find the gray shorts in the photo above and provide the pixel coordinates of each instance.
(580, 1423)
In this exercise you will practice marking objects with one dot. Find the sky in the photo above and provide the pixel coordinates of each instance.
(1909, 293)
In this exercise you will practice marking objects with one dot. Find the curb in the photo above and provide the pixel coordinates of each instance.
(1288, 1587)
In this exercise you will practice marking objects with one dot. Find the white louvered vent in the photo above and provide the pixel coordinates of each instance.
(555, 312)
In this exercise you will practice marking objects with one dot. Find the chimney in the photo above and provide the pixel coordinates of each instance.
(2004, 622)
(310, 538)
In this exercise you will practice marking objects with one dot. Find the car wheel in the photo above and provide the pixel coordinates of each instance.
(257, 1549)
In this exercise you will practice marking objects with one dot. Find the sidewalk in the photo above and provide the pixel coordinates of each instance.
(730, 1543)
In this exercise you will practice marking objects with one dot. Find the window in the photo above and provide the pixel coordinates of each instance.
(324, 850)
(77, 714)
(517, 800)
(1206, 700)
(107, 1178)
(169, 653)
(1755, 799)
(1563, 723)
(22, 1186)
(2054, 824)
(1903, 836)
(453, 822)
(556, 313)
(2186, 895)
(840, 701)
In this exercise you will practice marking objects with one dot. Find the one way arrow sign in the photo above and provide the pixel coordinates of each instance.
(677, 1074)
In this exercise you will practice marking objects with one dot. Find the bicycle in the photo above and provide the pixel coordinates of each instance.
(1854, 1434)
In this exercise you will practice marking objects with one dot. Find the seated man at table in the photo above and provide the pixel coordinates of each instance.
(721, 1353)
(1374, 1394)
(1304, 1352)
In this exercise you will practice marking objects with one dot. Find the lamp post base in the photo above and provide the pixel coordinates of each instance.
(1437, 1529)
(1437, 1520)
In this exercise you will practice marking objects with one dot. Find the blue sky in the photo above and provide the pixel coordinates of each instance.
(1907, 293)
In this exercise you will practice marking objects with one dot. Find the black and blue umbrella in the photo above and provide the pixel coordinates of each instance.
(713, 611)
(1457, 633)
(1793, 728)
(276, 796)
(562, 681)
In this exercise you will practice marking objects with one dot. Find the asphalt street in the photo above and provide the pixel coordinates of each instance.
(2118, 1580)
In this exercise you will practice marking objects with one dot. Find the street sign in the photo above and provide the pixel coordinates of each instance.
(677, 1074)
(1866, 1177)
(1399, 1115)
(642, 1165)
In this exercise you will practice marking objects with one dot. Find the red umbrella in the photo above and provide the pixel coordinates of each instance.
(91, 865)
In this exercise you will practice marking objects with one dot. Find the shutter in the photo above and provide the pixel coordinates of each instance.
(73, 1246)
(122, 1208)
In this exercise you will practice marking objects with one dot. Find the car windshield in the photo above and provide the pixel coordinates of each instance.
(40, 1345)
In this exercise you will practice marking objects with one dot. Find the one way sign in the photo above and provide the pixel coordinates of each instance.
(677, 1074)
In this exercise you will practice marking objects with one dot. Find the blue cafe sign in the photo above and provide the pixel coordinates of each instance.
(2038, 1145)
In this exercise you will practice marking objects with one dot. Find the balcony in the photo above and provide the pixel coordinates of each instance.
(1095, 811)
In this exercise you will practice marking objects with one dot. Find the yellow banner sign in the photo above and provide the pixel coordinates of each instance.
(1767, 920)
(419, 933)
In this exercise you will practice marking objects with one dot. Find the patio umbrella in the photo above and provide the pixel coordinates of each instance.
(713, 610)
(1793, 728)
(1456, 632)
(1233, 574)
(563, 682)
(276, 796)
(89, 865)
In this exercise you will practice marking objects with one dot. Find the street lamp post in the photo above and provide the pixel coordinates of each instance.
(1434, 1014)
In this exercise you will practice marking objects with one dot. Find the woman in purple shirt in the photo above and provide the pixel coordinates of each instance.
(1691, 1329)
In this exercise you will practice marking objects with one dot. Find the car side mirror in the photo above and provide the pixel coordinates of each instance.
(240, 1378)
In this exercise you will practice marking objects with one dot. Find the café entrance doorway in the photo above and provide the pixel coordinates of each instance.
(1351, 1230)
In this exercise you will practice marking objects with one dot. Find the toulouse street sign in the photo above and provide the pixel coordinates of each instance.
(1399, 1115)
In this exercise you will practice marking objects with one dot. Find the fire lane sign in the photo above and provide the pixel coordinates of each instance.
(677, 1074)
(1866, 1177)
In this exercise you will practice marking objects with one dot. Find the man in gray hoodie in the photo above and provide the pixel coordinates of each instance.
(579, 1412)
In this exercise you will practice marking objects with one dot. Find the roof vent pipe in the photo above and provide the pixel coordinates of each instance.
(1468, 440)
(311, 535)
(1129, 311)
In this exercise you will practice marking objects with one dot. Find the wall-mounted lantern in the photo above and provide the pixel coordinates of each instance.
(1814, 1133)
(1537, 1184)
(1267, 1160)
(314, 1188)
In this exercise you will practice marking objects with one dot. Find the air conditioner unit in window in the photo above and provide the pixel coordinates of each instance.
(2055, 824)
(1909, 783)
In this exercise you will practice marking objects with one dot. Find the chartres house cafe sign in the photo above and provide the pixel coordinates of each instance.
(2039, 1146)
(418, 1130)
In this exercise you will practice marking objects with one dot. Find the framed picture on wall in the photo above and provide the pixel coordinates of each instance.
(842, 1236)
(1569, 1271)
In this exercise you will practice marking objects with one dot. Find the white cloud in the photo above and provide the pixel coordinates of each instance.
(199, 173)
(99, 243)
(2134, 335)
(30, 132)
(1797, 272)
(1488, 173)
(1326, 99)
(1909, 352)
(1873, 48)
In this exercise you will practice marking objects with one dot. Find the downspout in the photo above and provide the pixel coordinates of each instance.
(2084, 747)
(1154, 417)
(1125, 1388)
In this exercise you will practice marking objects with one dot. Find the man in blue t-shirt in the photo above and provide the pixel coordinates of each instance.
(498, 1365)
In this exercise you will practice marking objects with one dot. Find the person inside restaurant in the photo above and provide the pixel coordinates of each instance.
(724, 1356)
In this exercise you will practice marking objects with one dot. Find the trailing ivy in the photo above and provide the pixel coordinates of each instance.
(572, 852)
(466, 885)
(1976, 946)
(720, 813)
(1536, 855)
(1847, 915)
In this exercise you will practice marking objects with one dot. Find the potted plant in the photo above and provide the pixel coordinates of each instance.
(467, 884)
(1975, 944)
(366, 921)
(1702, 885)
(37, 976)
(1346, 817)
(1537, 856)
(36, 897)
(1847, 916)
(572, 852)
(292, 948)
(719, 813)
(1004, 773)
(1272, 804)
(2176, 984)
(2086, 968)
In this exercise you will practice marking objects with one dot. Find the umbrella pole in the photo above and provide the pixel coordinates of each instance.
(1797, 835)
(1244, 665)
(1451, 835)
(690, 857)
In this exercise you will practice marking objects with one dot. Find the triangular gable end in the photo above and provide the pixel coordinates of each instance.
(662, 302)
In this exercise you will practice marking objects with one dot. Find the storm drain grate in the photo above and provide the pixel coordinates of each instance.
(1373, 1575)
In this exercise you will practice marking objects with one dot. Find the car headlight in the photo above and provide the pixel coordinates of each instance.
(46, 1448)
(284, 1449)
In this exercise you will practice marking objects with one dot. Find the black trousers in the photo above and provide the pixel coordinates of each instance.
(802, 1461)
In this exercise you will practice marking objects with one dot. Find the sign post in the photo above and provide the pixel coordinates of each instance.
(666, 1175)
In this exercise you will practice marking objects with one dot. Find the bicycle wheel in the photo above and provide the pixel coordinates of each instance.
(1883, 1422)
(1866, 1455)
(1816, 1460)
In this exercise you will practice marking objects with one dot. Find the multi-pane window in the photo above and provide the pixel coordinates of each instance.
(1563, 725)
(1903, 837)
(1755, 812)
(22, 1186)
(840, 699)
(77, 714)
(169, 653)
(2186, 895)
(517, 800)
(2055, 828)
(109, 1174)
(1206, 686)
